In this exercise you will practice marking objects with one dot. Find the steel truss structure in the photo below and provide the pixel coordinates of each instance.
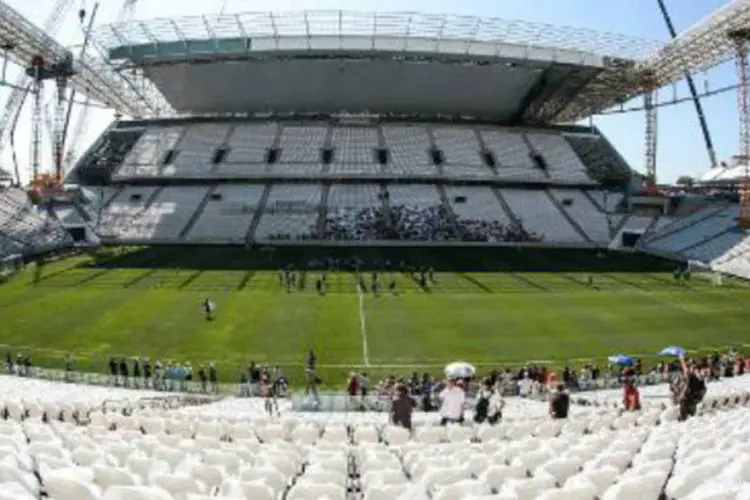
(205, 35)
(94, 76)
(627, 61)
(703, 46)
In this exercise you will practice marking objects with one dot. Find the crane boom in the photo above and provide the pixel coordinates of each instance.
(125, 14)
(693, 91)
(79, 131)
(17, 96)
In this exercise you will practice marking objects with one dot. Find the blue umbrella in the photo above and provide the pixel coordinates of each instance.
(673, 350)
(621, 359)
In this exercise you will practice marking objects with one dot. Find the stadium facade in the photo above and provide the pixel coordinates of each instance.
(353, 128)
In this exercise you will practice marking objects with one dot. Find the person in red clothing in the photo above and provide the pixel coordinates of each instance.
(352, 388)
(631, 397)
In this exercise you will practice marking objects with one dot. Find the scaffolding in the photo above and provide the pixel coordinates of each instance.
(740, 39)
(650, 143)
(41, 71)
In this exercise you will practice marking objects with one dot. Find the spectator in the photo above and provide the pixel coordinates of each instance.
(352, 388)
(692, 391)
(254, 377)
(203, 378)
(311, 386)
(146, 372)
(452, 400)
(402, 408)
(213, 377)
(489, 405)
(123, 365)
(68, 368)
(136, 373)
(560, 403)
(631, 399)
(113, 372)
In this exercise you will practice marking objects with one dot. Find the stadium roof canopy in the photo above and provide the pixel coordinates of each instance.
(706, 44)
(392, 63)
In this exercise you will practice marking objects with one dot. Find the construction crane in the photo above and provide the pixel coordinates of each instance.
(77, 135)
(693, 91)
(125, 14)
(23, 83)
(61, 71)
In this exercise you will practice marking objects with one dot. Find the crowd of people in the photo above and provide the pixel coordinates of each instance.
(687, 378)
(397, 222)
(410, 223)
(494, 231)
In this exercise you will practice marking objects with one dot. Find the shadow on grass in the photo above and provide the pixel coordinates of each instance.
(246, 279)
(190, 279)
(626, 282)
(476, 283)
(527, 281)
(138, 279)
(441, 258)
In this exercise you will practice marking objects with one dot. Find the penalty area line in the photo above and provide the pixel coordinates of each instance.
(363, 326)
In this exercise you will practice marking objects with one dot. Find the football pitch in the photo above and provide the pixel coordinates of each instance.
(493, 319)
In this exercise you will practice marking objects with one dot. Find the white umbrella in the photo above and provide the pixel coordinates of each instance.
(459, 369)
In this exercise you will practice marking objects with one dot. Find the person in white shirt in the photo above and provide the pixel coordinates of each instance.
(452, 400)
(525, 386)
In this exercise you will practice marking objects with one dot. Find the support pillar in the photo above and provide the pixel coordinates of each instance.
(650, 129)
(741, 38)
(37, 66)
(651, 135)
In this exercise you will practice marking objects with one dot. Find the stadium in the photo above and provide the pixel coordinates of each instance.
(339, 196)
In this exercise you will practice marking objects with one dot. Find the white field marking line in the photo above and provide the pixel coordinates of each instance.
(363, 327)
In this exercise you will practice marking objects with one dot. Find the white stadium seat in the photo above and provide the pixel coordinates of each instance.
(539, 215)
(701, 458)
(409, 147)
(227, 215)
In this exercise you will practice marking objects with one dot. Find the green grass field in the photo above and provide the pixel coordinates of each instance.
(488, 318)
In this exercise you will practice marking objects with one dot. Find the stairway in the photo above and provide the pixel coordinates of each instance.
(320, 224)
(197, 213)
(249, 236)
(452, 217)
(570, 219)
(676, 226)
(511, 215)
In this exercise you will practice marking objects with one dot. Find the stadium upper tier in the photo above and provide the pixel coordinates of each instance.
(324, 150)
(327, 62)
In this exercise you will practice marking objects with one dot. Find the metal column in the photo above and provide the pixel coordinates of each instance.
(651, 129)
(741, 38)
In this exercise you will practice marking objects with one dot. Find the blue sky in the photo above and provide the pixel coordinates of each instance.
(681, 147)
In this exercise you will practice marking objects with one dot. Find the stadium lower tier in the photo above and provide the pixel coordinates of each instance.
(282, 213)
(235, 213)
(71, 442)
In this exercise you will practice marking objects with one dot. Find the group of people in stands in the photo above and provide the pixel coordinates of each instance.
(398, 222)
(170, 376)
(454, 395)
(450, 397)
(411, 223)
(494, 231)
